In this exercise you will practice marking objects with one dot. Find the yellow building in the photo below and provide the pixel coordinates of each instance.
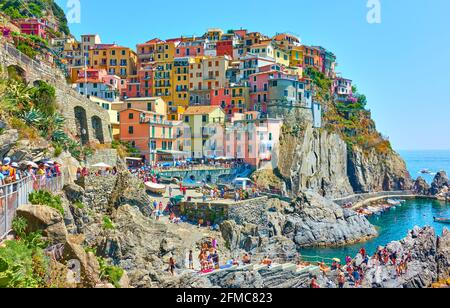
(240, 98)
(208, 73)
(164, 74)
(296, 57)
(181, 73)
(214, 34)
(203, 121)
(281, 57)
(121, 61)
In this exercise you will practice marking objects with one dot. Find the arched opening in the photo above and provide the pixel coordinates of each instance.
(98, 129)
(82, 124)
(17, 73)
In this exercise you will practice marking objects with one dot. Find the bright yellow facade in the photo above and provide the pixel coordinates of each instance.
(281, 57)
(296, 57)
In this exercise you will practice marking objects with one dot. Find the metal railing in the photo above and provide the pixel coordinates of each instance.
(16, 194)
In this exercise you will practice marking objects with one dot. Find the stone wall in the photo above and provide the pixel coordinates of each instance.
(97, 123)
(107, 156)
(247, 211)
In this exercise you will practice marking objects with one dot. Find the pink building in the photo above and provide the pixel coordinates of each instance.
(34, 26)
(252, 138)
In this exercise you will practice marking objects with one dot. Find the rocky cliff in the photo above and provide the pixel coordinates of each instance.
(312, 159)
(315, 159)
(369, 170)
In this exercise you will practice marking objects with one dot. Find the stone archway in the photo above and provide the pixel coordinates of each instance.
(98, 129)
(17, 73)
(81, 124)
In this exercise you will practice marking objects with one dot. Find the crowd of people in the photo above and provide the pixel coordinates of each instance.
(11, 172)
(84, 172)
(353, 272)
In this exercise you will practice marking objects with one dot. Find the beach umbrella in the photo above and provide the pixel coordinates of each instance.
(101, 165)
(337, 260)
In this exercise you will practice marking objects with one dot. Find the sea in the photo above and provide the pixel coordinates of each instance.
(395, 224)
(434, 161)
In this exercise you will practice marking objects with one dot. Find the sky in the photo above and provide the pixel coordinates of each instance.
(401, 64)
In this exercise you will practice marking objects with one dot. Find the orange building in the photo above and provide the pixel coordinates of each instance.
(151, 133)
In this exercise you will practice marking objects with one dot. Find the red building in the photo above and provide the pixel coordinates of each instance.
(140, 85)
(224, 48)
(232, 100)
(34, 26)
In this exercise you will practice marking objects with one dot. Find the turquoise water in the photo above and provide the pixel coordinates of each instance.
(434, 161)
(392, 226)
(395, 224)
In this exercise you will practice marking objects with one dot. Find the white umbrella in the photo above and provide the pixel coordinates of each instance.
(101, 165)
(32, 164)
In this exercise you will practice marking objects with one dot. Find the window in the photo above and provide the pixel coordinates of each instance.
(149, 106)
(129, 105)
(130, 116)
(131, 130)
(204, 118)
(186, 119)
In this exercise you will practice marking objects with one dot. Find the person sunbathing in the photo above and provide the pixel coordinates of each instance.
(266, 261)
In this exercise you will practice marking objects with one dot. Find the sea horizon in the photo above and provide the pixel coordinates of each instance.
(432, 160)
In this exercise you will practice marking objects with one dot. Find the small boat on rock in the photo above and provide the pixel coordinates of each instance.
(155, 188)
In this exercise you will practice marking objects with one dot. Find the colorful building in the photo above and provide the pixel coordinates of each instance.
(97, 82)
(252, 138)
(232, 100)
(204, 122)
(150, 132)
(207, 73)
(34, 26)
(225, 48)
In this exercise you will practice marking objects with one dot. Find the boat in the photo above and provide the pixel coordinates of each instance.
(425, 171)
(155, 188)
(442, 220)
(394, 202)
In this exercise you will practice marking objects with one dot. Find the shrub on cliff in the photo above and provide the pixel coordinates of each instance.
(112, 274)
(45, 198)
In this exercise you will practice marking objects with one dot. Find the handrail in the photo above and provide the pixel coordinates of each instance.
(15, 194)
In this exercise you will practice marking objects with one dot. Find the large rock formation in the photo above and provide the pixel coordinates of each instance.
(421, 187)
(312, 159)
(45, 219)
(440, 183)
(370, 171)
(312, 220)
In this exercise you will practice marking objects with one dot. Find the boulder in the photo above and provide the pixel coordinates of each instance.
(312, 220)
(443, 256)
(45, 219)
(422, 270)
(231, 233)
(74, 193)
(7, 140)
(89, 266)
(421, 187)
(440, 182)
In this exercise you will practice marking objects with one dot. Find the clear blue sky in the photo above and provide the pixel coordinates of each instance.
(402, 64)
